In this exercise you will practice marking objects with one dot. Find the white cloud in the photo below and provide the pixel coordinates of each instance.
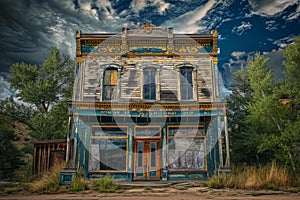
(271, 25)
(162, 5)
(188, 22)
(270, 7)
(238, 54)
(138, 5)
(239, 30)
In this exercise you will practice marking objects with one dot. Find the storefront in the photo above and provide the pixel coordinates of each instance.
(146, 106)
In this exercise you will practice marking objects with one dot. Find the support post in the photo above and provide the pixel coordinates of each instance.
(164, 155)
(227, 163)
(68, 137)
(220, 142)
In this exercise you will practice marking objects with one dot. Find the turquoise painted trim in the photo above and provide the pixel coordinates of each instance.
(164, 154)
(210, 149)
(116, 176)
(130, 154)
(173, 176)
(217, 144)
(126, 113)
(81, 146)
(75, 149)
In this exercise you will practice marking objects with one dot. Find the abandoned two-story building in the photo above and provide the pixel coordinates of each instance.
(146, 106)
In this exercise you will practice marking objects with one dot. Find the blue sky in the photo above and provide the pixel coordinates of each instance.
(30, 27)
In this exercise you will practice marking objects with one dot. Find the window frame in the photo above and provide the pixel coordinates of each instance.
(202, 137)
(104, 85)
(108, 137)
(185, 83)
(151, 85)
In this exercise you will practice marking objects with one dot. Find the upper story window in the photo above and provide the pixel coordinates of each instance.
(110, 83)
(149, 87)
(186, 83)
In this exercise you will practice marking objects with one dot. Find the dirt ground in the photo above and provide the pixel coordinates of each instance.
(195, 193)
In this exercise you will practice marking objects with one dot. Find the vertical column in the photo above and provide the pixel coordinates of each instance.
(119, 84)
(124, 40)
(70, 124)
(217, 90)
(86, 148)
(220, 142)
(178, 84)
(164, 154)
(130, 154)
(195, 86)
(227, 162)
(75, 143)
(170, 45)
(78, 44)
(211, 141)
(157, 84)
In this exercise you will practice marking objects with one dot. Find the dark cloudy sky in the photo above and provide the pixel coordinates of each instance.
(30, 27)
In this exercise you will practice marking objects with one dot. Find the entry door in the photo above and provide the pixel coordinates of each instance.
(147, 165)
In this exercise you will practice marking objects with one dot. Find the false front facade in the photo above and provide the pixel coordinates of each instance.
(146, 106)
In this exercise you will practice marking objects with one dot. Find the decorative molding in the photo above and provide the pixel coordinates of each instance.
(147, 106)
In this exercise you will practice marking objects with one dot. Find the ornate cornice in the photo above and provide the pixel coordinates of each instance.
(147, 106)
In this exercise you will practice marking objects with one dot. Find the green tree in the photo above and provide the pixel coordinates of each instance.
(45, 90)
(237, 111)
(10, 157)
(291, 89)
(263, 128)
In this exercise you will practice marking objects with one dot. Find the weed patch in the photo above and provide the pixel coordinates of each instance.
(105, 184)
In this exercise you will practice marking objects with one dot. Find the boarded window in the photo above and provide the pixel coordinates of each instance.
(186, 83)
(110, 84)
(149, 84)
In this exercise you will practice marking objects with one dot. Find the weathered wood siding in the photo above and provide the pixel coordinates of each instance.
(169, 83)
(130, 82)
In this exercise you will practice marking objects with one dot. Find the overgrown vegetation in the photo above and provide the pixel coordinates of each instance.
(78, 183)
(105, 184)
(270, 176)
(49, 182)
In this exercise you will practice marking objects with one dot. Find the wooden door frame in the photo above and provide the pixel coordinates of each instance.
(146, 159)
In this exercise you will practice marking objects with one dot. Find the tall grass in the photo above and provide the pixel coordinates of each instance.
(49, 182)
(270, 176)
(105, 184)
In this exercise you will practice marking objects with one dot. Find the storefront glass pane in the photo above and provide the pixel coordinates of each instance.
(108, 154)
(186, 154)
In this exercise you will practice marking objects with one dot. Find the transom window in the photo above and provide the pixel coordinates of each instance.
(149, 89)
(186, 83)
(110, 82)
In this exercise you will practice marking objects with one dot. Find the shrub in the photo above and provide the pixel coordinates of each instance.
(105, 184)
(215, 182)
(49, 181)
(78, 184)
